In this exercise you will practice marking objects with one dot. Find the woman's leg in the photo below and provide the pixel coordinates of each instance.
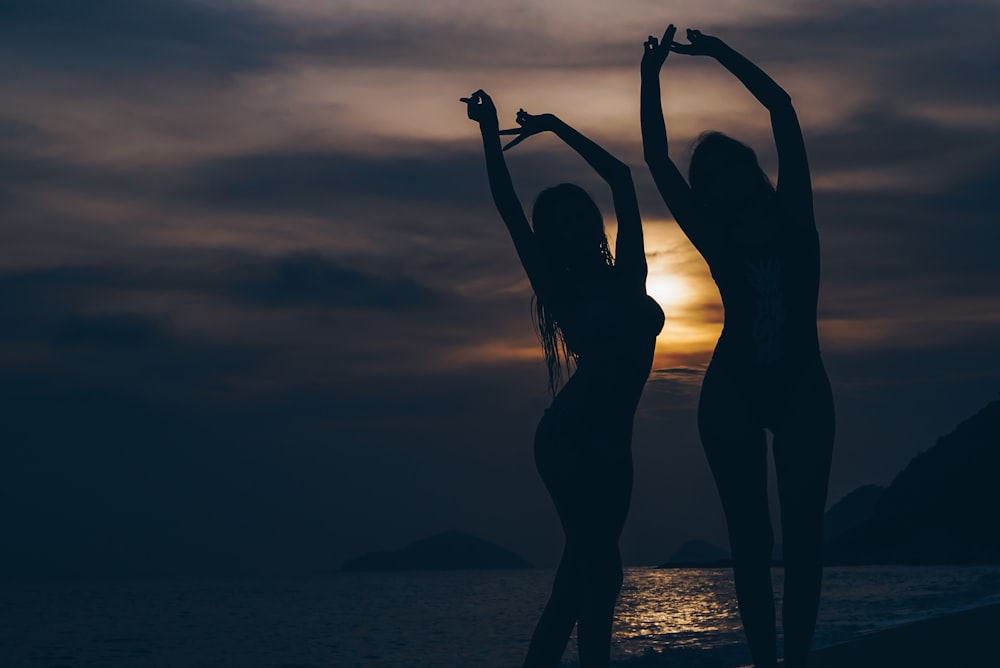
(602, 582)
(590, 481)
(607, 492)
(584, 592)
(736, 448)
(555, 626)
(554, 459)
(803, 447)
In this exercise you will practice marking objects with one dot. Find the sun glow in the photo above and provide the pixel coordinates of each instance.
(680, 283)
(671, 291)
(682, 298)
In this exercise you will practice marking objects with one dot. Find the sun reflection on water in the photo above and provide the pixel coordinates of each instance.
(670, 606)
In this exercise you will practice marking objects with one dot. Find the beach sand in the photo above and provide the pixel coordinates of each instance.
(960, 639)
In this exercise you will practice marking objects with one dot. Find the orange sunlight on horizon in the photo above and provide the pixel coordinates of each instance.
(678, 280)
(680, 283)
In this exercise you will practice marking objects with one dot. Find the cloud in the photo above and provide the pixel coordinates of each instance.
(63, 340)
(326, 181)
(313, 279)
(877, 43)
(108, 330)
(133, 38)
(30, 172)
(297, 279)
(149, 439)
(20, 135)
(254, 276)
(919, 153)
(684, 382)
(282, 313)
(679, 371)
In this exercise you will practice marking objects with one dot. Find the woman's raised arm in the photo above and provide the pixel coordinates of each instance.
(674, 190)
(630, 255)
(481, 109)
(794, 183)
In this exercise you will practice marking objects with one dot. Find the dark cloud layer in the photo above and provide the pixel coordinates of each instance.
(299, 279)
(311, 279)
(953, 62)
(323, 181)
(182, 396)
(144, 448)
(142, 38)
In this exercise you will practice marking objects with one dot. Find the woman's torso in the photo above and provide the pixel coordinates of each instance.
(769, 292)
(612, 332)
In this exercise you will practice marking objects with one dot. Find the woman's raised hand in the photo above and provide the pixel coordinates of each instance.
(481, 109)
(655, 51)
(700, 45)
(530, 125)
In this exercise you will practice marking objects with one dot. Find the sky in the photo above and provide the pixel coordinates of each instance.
(260, 315)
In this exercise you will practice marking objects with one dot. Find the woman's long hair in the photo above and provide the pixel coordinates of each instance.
(719, 162)
(570, 232)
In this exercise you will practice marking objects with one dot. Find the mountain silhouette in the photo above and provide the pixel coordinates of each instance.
(451, 550)
(852, 511)
(941, 508)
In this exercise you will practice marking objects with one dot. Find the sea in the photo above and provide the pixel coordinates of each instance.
(675, 617)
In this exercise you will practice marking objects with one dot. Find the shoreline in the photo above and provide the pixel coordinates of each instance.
(964, 638)
(961, 638)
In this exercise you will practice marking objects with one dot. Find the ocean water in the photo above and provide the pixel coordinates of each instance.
(432, 619)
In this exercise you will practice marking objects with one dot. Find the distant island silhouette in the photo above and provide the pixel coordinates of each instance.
(452, 550)
(698, 554)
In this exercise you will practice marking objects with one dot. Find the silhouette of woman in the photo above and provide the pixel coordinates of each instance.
(592, 308)
(761, 245)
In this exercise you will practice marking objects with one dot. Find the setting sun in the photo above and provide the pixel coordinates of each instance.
(680, 283)
(669, 290)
